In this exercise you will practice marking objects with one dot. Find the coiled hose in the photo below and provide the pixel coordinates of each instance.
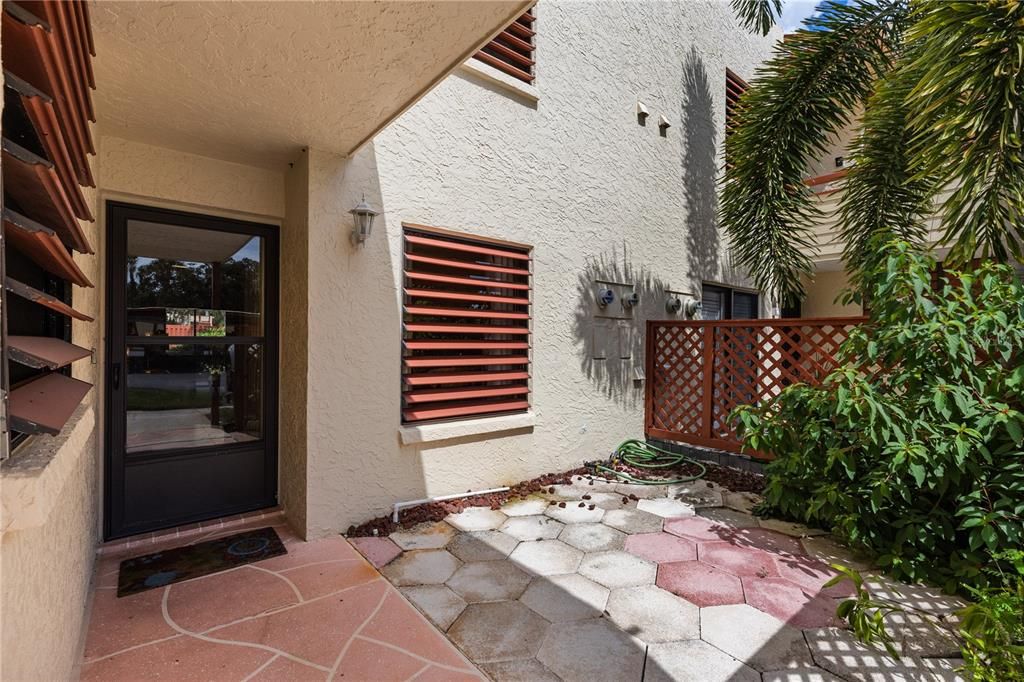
(643, 455)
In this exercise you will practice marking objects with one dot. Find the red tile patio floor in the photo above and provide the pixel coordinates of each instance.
(320, 612)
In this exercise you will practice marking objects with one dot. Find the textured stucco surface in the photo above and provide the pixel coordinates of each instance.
(255, 81)
(573, 174)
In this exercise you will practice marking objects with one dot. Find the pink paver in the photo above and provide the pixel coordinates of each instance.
(700, 529)
(378, 551)
(700, 584)
(740, 561)
(788, 602)
(661, 547)
(318, 612)
(810, 574)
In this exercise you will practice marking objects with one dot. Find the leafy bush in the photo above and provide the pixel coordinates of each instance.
(913, 448)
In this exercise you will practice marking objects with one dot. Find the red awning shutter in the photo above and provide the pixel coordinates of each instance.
(466, 327)
(512, 50)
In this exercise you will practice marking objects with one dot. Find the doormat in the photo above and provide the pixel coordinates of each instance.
(192, 561)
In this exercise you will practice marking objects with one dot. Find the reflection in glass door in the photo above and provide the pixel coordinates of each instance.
(193, 356)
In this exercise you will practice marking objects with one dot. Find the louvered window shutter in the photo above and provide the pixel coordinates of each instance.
(512, 50)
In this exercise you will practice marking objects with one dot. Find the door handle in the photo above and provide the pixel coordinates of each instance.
(115, 375)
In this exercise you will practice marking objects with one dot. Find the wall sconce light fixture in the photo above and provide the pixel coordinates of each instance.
(362, 216)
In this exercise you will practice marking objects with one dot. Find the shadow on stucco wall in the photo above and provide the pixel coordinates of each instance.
(699, 171)
(610, 340)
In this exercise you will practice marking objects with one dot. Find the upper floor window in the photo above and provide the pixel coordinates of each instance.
(466, 326)
(511, 51)
(734, 89)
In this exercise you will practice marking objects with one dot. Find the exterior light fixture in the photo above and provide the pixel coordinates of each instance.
(362, 216)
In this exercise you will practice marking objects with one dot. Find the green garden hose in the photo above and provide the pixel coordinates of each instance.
(643, 455)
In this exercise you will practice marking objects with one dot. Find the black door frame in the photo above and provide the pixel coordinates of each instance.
(114, 457)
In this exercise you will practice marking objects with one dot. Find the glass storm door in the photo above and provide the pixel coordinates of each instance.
(192, 368)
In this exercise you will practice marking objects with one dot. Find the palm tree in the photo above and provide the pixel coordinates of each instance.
(941, 87)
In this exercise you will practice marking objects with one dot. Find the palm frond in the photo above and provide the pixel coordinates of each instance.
(799, 99)
(757, 15)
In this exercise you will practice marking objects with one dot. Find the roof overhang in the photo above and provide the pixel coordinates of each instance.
(253, 82)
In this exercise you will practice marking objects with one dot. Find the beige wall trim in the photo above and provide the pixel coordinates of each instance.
(522, 7)
(429, 433)
(478, 69)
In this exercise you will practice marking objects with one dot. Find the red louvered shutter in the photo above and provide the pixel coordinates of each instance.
(511, 51)
(466, 326)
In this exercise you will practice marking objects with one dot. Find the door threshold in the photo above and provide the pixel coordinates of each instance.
(190, 532)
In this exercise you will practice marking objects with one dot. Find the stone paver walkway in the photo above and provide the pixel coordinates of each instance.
(319, 612)
(604, 581)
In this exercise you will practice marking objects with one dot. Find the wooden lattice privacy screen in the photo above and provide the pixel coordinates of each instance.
(698, 372)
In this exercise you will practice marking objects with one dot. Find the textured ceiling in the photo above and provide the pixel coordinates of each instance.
(254, 81)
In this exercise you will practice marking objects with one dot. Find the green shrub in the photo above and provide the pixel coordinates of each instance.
(913, 448)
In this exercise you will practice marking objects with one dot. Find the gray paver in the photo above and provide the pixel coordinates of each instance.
(562, 598)
(421, 567)
(593, 537)
(523, 670)
(729, 517)
(919, 634)
(611, 501)
(924, 598)
(489, 581)
(437, 602)
(532, 527)
(476, 518)
(483, 545)
(547, 557)
(694, 659)
(797, 530)
(573, 513)
(828, 551)
(651, 614)
(767, 643)
(802, 674)
(498, 631)
(632, 521)
(618, 569)
(591, 650)
(742, 502)
(531, 506)
(840, 653)
(665, 507)
(424, 536)
(697, 493)
(642, 491)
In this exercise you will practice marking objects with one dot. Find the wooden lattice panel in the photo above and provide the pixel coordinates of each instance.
(699, 372)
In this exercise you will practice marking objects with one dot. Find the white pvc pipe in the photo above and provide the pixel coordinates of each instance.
(399, 506)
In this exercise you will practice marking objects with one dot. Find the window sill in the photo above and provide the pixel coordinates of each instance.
(33, 478)
(429, 433)
(502, 80)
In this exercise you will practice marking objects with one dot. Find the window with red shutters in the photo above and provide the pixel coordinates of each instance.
(734, 89)
(466, 326)
(511, 51)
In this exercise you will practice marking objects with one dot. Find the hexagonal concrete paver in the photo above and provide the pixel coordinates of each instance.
(828, 551)
(421, 567)
(531, 506)
(699, 583)
(489, 581)
(562, 598)
(546, 557)
(482, 545)
(498, 631)
(811, 575)
(797, 530)
(729, 517)
(632, 521)
(618, 569)
(768, 540)
(522, 670)
(694, 659)
(807, 673)
(740, 561)
(919, 634)
(424, 536)
(532, 527)
(591, 650)
(610, 501)
(593, 537)
(573, 513)
(642, 492)
(766, 642)
(839, 652)
(698, 493)
(651, 614)
(665, 507)
(661, 547)
(790, 603)
(437, 602)
(476, 518)
(740, 501)
(700, 529)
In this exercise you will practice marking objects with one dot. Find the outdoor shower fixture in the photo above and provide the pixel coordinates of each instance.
(363, 217)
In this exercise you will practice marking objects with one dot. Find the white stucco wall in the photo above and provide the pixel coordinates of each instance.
(571, 173)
